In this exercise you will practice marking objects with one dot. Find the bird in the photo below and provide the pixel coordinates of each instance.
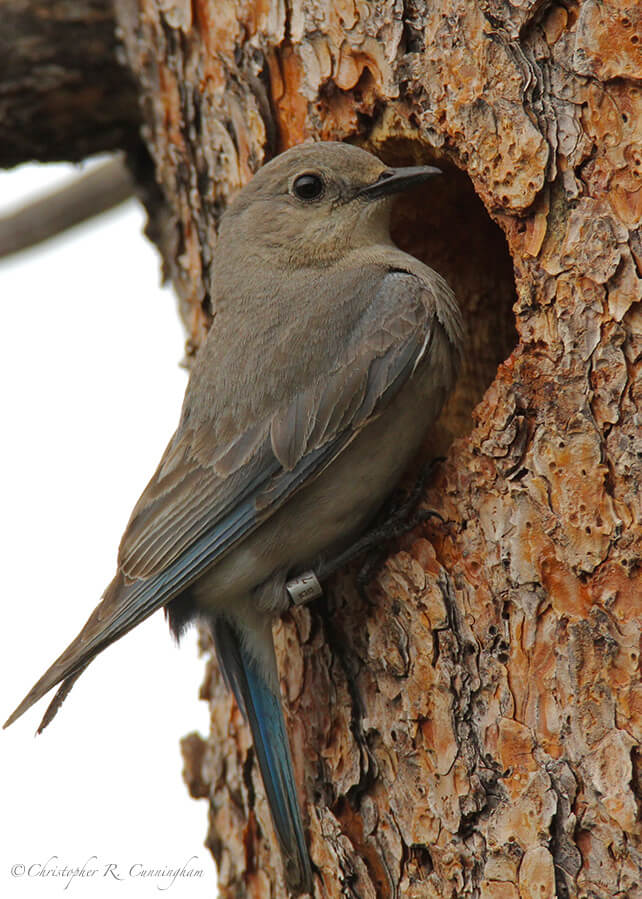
(330, 356)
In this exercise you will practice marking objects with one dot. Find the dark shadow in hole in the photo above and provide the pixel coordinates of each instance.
(445, 224)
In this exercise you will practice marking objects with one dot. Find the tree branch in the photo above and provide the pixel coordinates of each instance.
(88, 195)
(64, 94)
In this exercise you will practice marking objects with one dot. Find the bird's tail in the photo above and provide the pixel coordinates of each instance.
(257, 693)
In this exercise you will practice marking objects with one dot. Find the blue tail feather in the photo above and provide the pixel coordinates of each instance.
(261, 707)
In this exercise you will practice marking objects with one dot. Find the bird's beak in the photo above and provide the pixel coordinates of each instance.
(392, 181)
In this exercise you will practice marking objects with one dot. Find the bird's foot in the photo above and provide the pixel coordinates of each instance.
(402, 518)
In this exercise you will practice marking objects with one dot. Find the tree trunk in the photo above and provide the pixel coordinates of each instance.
(473, 727)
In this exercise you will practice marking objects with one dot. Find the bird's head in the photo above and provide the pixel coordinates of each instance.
(313, 203)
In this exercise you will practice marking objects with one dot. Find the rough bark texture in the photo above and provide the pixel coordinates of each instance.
(473, 729)
(64, 94)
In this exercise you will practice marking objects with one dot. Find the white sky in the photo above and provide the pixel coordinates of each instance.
(90, 392)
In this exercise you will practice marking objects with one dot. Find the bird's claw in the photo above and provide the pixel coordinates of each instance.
(306, 587)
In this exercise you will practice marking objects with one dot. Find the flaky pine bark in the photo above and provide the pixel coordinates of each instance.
(473, 728)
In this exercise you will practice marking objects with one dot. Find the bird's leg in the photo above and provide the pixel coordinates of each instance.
(407, 510)
(401, 518)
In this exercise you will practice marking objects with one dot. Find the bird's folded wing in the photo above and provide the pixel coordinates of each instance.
(195, 508)
(204, 498)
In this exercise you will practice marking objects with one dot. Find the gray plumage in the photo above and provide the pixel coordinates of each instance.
(330, 356)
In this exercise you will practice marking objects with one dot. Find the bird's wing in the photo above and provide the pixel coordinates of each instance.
(195, 508)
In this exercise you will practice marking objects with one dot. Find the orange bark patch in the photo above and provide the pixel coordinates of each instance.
(537, 875)
(515, 746)
(438, 731)
(569, 596)
(219, 27)
(171, 107)
(498, 889)
(609, 40)
(352, 64)
(610, 769)
(615, 589)
(286, 77)
(630, 709)
(339, 117)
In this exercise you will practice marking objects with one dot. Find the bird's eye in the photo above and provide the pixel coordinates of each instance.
(308, 186)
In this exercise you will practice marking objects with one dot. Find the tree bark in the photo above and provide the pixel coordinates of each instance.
(473, 727)
(64, 94)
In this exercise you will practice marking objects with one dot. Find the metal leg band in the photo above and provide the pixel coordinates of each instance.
(304, 588)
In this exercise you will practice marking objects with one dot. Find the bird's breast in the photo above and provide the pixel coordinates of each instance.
(334, 509)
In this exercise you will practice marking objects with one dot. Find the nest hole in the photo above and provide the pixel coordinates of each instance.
(445, 224)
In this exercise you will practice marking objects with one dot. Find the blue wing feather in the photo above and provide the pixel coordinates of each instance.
(380, 357)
